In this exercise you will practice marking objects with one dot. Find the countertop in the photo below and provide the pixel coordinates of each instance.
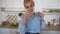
(47, 28)
(51, 28)
(10, 27)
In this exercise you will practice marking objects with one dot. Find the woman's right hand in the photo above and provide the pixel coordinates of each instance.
(24, 18)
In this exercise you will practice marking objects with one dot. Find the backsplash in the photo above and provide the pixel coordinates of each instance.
(48, 18)
(9, 15)
(12, 18)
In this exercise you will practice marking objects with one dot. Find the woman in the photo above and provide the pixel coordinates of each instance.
(32, 22)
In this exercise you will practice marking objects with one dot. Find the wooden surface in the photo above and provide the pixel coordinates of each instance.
(47, 28)
(52, 28)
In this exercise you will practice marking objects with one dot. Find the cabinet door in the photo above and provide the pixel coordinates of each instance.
(53, 3)
(4, 31)
(59, 4)
(20, 4)
(0, 3)
(14, 3)
(49, 3)
(39, 4)
(13, 31)
(45, 3)
(3, 3)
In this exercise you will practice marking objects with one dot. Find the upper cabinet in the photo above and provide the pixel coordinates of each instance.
(4, 3)
(38, 4)
(58, 4)
(53, 3)
(49, 3)
(15, 3)
(0, 3)
(12, 3)
(45, 3)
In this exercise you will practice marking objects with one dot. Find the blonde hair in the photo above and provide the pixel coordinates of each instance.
(30, 1)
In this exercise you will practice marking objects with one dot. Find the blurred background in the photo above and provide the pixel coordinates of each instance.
(10, 10)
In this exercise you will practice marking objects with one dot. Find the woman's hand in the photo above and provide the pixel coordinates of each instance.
(24, 18)
(41, 15)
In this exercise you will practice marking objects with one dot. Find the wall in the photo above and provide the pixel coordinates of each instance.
(0, 10)
(1, 16)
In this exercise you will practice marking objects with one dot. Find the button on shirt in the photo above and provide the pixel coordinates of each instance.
(33, 25)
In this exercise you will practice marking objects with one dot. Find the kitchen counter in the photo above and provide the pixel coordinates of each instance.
(47, 28)
(14, 30)
(10, 27)
(51, 28)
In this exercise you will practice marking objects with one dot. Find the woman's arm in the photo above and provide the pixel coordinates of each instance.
(42, 22)
(21, 27)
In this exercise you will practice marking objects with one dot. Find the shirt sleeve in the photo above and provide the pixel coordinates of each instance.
(42, 24)
(21, 28)
(20, 20)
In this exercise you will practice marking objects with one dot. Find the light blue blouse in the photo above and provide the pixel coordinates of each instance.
(33, 25)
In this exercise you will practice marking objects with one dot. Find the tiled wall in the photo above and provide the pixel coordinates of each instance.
(10, 16)
(50, 17)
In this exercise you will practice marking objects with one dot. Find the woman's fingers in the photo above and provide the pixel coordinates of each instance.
(24, 20)
(41, 15)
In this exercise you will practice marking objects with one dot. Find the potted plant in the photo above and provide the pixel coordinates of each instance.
(20, 14)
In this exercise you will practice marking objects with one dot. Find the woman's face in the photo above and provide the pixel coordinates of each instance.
(29, 7)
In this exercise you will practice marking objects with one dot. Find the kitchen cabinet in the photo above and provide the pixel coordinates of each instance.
(4, 3)
(0, 3)
(20, 3)
(49, 3)
(41, 4)
(13, 31)
(45, 3)
(58, 4)
(53, 3)
(4, 31)
(12, 3)
(8, 31)
(38, 4)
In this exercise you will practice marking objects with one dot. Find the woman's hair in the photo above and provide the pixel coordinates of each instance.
(30, 1)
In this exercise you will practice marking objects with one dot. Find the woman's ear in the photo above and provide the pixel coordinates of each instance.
(41, 15)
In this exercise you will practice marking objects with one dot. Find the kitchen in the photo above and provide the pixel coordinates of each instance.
(9, 10)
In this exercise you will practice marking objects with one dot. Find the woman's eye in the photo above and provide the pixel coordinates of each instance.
(27, 7)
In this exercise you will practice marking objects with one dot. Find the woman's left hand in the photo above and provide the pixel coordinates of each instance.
(41, 15)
